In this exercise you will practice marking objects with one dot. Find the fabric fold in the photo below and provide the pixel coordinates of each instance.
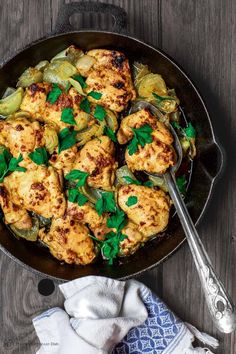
(119, 317)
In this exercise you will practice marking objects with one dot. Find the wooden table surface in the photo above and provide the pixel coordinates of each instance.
(201, 36)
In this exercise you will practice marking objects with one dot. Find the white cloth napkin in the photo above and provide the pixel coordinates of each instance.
(102, 312)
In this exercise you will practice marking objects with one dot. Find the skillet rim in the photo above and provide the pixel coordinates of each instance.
(215, 141)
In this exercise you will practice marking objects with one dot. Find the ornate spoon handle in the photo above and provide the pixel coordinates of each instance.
(219, 303)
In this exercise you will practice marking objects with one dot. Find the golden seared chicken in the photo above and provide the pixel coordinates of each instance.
(110, 75)
(150, 213)
(13, 213)
(65, 160)
(21, 135)
(133, 241)
(154, 157)
(69, 241)
(97, 158)
(87, 215)
(35, 102)
(37, 190)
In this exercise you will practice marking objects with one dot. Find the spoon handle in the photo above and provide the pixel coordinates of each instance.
(219, 303)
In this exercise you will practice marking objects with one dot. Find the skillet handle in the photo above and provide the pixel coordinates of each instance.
(67, 10)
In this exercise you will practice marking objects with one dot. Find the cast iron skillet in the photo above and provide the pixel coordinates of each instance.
(207, 164)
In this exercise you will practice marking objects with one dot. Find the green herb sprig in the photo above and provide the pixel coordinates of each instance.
(39, 156)
(74, 196)
(77, 175)
(106, 203)
(67, 116)
(54, 94)
(9, 164)
(67, 138)
(142, 136)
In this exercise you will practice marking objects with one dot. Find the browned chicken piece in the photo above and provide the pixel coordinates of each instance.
(97, 158)
(150, 213)
(21, 135)
(69, 241)
(37, 190)
(133, 241)
(155, 157)
(110, 75)
(35, 102)
(65, 160)
(87, 214)
(13, 214)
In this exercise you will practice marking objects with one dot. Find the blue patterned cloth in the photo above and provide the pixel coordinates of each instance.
(161, 331)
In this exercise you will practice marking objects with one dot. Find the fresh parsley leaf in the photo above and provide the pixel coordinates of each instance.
(162, 98)
(106, 203)
(81, 176)
(85, 105)
(99, 113)
(95, 95)
(117, 221)
(190, 131)
(67, 138)
(39, 156)
(9, 164)
(175, 125)
(67, 116)
(142, 136)
(132, 200)
(111, 246)
(81, 80)
(54, 94)
(181, 183)
(74, 196)
(109, 132)
(148, 184)
(130, 180)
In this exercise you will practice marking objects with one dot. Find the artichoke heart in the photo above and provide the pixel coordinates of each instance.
(30, 76)
(58, 72)
(28, 234)
(11, 103)
(51, 138)
(152, 83)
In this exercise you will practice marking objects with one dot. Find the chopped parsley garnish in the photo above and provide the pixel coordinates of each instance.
(99, 113)
(148, 184)
(190, 131)
(142, 136)
(110, 246)
(109, 132)
(39, 156)
(106, 203)
(182, 184)
(81, 80)
(67, 116)
(54, 94)
(130, 180)
(117, 221)
(74, 196)
(9, 163)
(132, 200)
(67, 138)
(81, 176)
(85, 105)
(95, 95)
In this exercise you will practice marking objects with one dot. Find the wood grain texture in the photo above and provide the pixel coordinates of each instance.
(200, 35)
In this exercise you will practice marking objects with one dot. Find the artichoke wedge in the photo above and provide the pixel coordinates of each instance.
(11, 103)
(28, 234)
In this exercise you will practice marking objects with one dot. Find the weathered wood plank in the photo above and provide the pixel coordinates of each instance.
(200, 36)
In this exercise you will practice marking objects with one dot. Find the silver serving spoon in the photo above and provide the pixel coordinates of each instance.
(220, 305)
